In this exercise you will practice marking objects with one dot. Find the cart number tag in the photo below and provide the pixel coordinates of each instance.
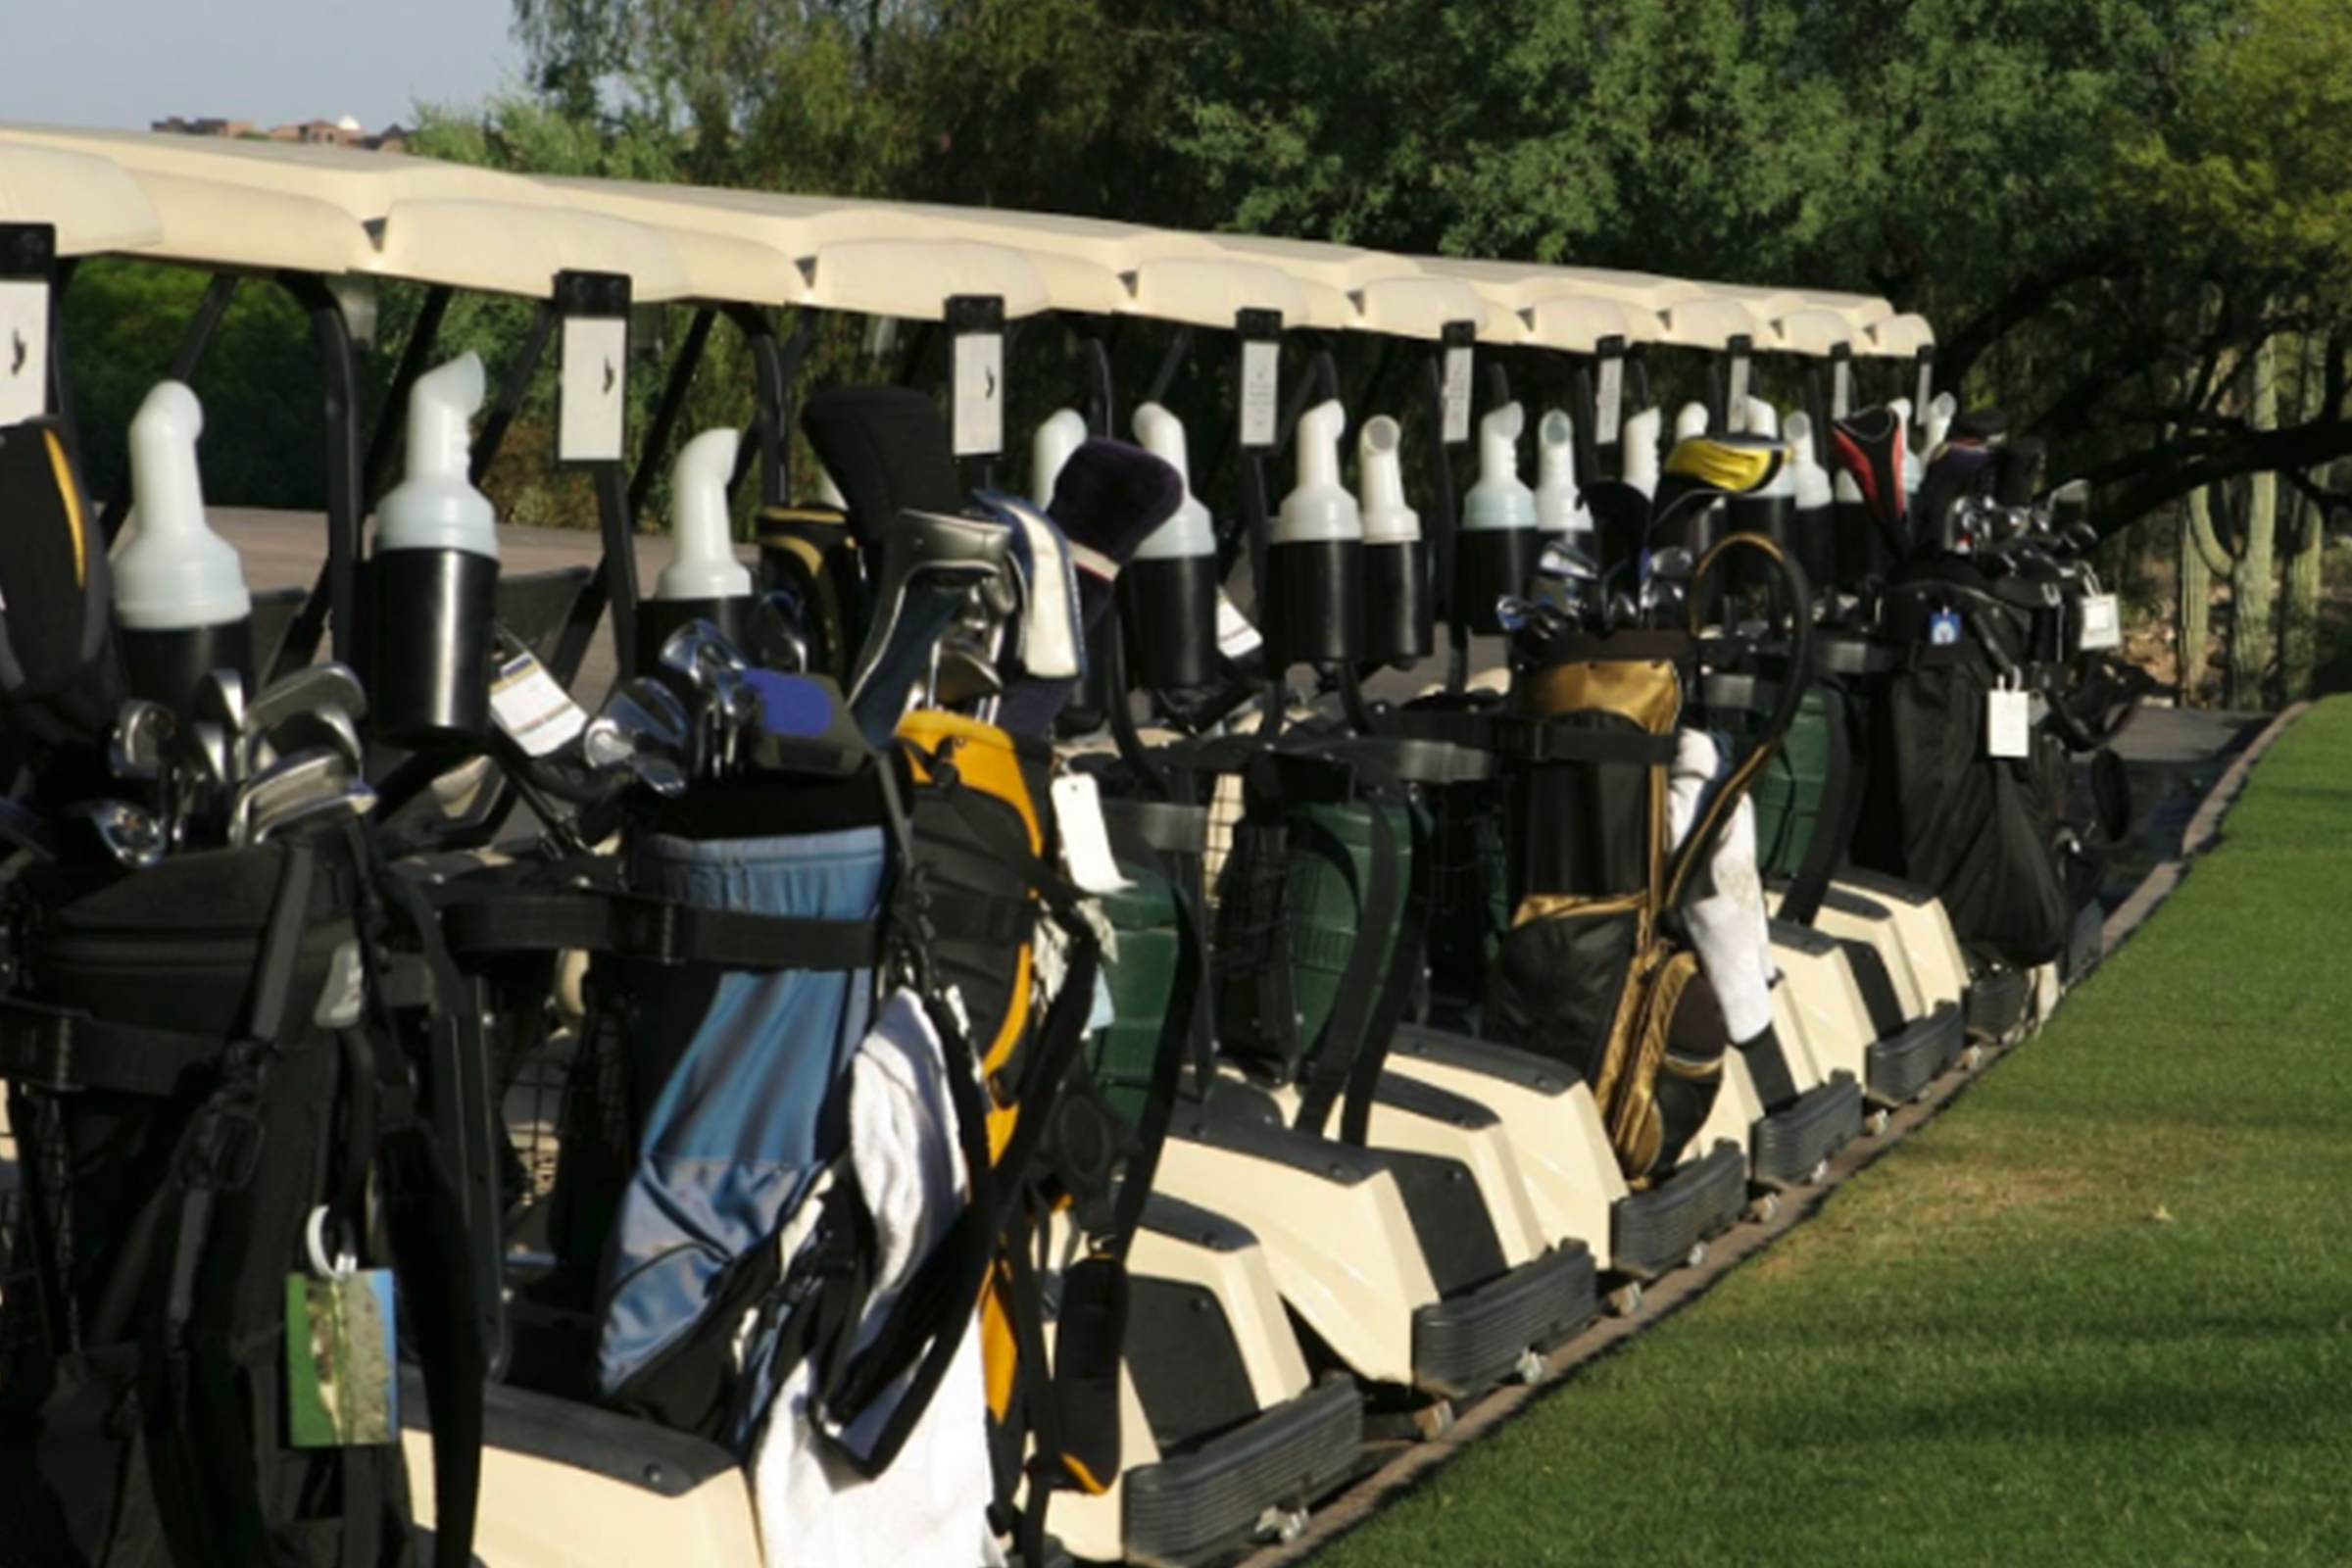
(536, 714)
(1084, 838)
(1842, 390)
(24, 352)
(342, 1360)
(1457, 396)
(1261, 393)
(979, 394)
(1609, 401)
(2008, 723)
(1734, 403)
(2102, 624)
(594, 389)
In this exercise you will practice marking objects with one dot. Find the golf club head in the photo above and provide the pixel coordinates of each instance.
(292, 781)
(647, 707)
(220, 700)
(141, 746)
(966, 678)
(357, 801)
(1622, 612)
(1566, 563)
(128, 833)
(306, 729)
(1673, 564)
(608, 746)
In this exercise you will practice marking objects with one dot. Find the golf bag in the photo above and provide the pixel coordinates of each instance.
(993, 928)
(1597, 968)
(1316, 899)
(211, 1061)
(1976, 830)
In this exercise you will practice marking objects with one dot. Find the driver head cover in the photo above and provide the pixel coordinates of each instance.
(1869, 446)
(1109, 496)
(888, 449)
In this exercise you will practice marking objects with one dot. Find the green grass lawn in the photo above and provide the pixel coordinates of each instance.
(2100, 1313)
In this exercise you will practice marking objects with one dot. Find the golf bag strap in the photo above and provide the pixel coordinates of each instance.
(1176, 1038)
(65, 1051)
(1404, 972)
(926, 1323)
(1699, 849)
(436, 1256)
(1542, 741)
(665, 931)
(1833, 826)
(198, 1439)
(1331, 1060)
(1852, 656)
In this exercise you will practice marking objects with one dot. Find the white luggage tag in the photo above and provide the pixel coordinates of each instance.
(1085, 837)
(2008, 723)
(2102, 624)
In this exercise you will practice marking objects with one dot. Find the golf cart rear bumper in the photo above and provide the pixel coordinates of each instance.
(1902, 1065)
(1997, 1000)
(1205, 1505)
(1654, 1230)
(1789, 1146)
(1466, 1343)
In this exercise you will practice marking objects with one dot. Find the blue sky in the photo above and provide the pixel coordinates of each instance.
(122, 62)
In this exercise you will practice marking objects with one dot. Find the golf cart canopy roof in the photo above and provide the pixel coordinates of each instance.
(914, 278)
(1856, 310)
(1164, 274)
(1898, 337)
(1712, 320)
(1575, 324)
(231, 204)
(1815, 332)
(838, 255)
(1560, 307)
(92, 205)
(1422, 307)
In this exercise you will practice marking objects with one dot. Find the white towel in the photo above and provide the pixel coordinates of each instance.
(1725, 918)
(931, 1505)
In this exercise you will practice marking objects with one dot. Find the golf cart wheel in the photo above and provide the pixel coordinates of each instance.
(1626, 1300)
(1698, 1257)
(1973, 1057)
(1818, 1174)
(1763, 1208)
(1878, 1122)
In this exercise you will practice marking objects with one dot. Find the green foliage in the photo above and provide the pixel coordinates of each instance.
(265, 441)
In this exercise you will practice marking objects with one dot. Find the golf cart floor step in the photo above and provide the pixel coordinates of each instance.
(1204, 1505)
(1654, 1230)
(1902, 1065)
(1466, 1343)
(1789, 1146)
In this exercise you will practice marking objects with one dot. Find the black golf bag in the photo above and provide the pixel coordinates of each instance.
(210, 1066)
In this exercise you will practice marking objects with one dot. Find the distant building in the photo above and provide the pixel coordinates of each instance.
(343, 132)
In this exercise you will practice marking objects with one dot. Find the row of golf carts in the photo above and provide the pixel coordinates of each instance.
(1035, 1014)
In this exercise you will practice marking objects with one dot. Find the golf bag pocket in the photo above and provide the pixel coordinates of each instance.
(738, 1074)
(1256, 982)
(1677, 1067)
(1976, 830)
(1562, 981)
(969, 906)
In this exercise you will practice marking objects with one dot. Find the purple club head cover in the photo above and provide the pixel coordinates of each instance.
(1109, 498)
